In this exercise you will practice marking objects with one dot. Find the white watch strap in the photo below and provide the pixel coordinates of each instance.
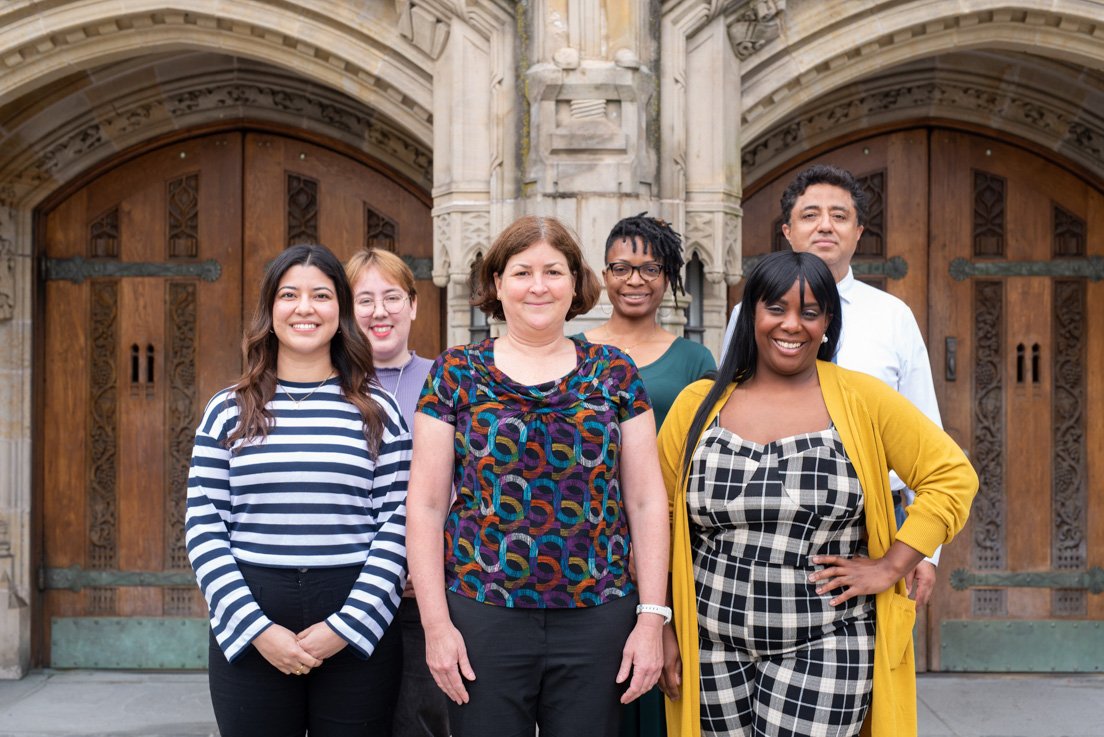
(665, 611)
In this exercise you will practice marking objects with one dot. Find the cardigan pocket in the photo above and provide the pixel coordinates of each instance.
(901, 614)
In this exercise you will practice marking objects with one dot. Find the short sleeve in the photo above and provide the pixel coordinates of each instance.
(632, 396)
(441, 387)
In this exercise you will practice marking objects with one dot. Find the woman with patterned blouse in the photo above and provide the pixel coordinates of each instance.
(549, 443)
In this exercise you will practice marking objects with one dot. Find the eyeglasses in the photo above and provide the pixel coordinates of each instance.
(392, 303)
(648, 272)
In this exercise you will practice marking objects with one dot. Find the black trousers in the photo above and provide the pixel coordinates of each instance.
(555, 668)
(346, 696)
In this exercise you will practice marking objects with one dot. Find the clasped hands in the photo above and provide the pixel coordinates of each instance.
(298, 654)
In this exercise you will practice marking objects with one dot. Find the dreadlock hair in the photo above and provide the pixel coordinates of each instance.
(657, 236)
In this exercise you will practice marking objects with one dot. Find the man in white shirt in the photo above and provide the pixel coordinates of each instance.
(824, 211)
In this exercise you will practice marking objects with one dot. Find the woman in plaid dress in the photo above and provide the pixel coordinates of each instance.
(791, 617)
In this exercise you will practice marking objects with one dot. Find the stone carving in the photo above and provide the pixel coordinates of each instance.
(1070, 472)
(183, 213)
(423, 27)
(182, 414)
(103, 430)
(988, 214)
(699, 232)
(755, 26)
(7, 279)
(302, 209)
(987, 514)
(475, 232)
(380, 231)
(1060, 129)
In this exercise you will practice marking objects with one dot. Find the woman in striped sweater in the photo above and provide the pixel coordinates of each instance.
(296, 517)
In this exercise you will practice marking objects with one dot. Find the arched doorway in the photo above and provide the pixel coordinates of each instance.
(148, 271)
(999, 251)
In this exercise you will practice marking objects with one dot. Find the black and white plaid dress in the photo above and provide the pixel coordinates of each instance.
(776, 658)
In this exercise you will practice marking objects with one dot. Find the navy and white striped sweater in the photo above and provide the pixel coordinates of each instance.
(308, 496)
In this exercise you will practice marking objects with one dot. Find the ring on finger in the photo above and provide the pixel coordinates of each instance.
(300, 671)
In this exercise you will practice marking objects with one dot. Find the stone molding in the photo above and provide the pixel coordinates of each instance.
(336, 49)
(836, 50)
(1035, 115)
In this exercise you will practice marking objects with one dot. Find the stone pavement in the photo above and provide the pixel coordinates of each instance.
(125, 704)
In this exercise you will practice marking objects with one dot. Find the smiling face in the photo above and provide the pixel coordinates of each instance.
(388, 333)
(305, 314)
(788, 333)
(823, 222)
(633, 296)
(535, 289)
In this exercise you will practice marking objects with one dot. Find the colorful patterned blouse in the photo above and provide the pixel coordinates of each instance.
(537, 521)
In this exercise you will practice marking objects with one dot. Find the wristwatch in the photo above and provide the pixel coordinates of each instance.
(655, 609)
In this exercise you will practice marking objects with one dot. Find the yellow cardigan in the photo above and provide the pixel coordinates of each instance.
(880, 429)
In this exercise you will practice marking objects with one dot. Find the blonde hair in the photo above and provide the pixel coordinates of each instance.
(393, 268)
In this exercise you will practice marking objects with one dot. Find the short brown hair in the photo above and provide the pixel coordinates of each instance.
(393, 268)
(518, 236)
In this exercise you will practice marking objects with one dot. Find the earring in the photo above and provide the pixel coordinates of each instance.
(824, 339)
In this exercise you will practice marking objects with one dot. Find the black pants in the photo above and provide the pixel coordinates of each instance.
(346, 696)
(555, 668)
(422, 710)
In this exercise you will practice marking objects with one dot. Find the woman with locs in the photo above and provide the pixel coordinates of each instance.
(791, 616)
(549, 442)
(295, 522)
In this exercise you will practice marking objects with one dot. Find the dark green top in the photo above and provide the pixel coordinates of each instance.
(681, 364)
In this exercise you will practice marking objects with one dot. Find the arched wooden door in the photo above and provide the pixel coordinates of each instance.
(998, 252)
(148, 272)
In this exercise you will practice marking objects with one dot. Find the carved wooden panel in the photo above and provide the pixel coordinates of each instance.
(872, 242)
(180, 601)
(988, 603)
(989, 197)
(1069, 234)
(380, 231)
(103, 235)
(100, 601)
(302, 209)
(1068, 603)
(183, 214)
(181, 415)
(103, 428)
(1069, 462)
(988, 550)
(778, 238)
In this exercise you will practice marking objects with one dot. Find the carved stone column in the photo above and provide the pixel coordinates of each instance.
(15, 435)
(474, 135)
(703, 44)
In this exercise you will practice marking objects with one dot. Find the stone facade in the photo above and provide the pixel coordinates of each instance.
(586, 109)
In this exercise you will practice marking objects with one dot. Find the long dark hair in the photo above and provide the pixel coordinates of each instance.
(771, 278)
(349, 351)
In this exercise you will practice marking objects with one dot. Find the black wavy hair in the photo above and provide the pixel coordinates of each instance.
(824, 174)
(657, 236)
(772, 277)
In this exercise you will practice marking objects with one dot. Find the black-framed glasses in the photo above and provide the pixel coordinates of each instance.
(392, 303)
(648, 272)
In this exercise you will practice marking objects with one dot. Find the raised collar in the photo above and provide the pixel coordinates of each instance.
(846, 285)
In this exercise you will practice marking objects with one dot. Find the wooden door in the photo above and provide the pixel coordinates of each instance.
(297, 192)
(143, 315)
(1012, 318)
(1017, 344)
(147, 282)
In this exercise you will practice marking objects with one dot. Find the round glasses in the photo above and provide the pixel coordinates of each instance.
(392, 303)
(648, 272)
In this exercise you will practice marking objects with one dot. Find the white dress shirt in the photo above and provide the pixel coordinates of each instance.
(880, 337)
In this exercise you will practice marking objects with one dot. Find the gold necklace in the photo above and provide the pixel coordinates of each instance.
(292, 399)
(628, 348)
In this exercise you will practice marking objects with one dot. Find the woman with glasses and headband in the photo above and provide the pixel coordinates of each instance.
(386, 304)
(643, 258)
